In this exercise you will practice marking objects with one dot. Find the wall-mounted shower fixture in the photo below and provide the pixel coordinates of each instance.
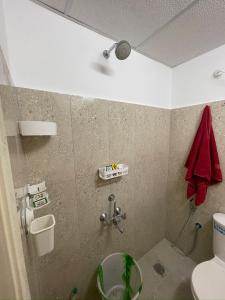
(116, 218)
(122, 50)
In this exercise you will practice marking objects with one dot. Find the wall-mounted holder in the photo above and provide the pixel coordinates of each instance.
(38, 196)
(41, 229)
(27, 216)
(108, 172)
(37, 128)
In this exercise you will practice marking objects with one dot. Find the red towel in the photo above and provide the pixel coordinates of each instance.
(203, 168)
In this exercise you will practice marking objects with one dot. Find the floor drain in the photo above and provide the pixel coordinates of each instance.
(159, 269)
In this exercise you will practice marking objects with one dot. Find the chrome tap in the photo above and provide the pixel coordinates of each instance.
(117, 216)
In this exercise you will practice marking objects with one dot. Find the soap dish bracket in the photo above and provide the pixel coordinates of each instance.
(27, 215)
(105, 174)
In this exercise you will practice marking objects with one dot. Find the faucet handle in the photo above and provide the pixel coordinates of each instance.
(118, 210)
(103, 217)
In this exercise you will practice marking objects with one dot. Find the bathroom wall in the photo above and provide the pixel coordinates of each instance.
(193, 81)
(3, 37)
(48, 52)
(91, 133)
(13, 277)
(5, 77)
(184, 123)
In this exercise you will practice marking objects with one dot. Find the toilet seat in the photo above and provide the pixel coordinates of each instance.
(208, 280)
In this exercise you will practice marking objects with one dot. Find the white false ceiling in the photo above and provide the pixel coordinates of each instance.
(170, 31)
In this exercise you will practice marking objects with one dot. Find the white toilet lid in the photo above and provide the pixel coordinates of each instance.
(208, 280)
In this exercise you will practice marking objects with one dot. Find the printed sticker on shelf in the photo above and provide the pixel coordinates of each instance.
(219, 228)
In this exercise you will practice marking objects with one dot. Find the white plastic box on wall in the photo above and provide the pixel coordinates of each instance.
(106, 174)
(42, 230)
(37, 128)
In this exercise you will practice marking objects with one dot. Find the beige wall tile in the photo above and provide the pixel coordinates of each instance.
(5, 77)
(47, 157)
(92, 133)
(8, 96)
(184, 123)
(154, 143)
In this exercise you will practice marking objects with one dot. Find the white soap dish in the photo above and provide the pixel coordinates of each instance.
(37, 128)
(105, 173)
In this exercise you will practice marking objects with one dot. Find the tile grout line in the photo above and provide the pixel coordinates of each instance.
(75, 204)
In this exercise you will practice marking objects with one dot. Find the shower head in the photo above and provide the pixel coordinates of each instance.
(122, 50)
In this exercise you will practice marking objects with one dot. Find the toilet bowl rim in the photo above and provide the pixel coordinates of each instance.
(215, 260)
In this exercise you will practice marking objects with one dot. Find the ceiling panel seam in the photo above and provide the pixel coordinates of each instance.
(64, 15)
(53, 9)
(67, 6)
(146, 47)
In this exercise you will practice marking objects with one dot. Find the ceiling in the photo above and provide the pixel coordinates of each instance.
(169, 31)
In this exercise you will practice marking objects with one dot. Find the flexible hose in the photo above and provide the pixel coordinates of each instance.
(197, 227)
(183, 227)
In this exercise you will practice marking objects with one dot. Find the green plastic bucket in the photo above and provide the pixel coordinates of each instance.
(119, 277)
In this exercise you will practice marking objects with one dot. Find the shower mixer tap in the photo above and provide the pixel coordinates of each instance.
(116, 218)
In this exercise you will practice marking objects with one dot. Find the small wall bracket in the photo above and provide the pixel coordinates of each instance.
(218, 74)
(27, 216)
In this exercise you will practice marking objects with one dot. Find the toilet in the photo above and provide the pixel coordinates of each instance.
(208, 278)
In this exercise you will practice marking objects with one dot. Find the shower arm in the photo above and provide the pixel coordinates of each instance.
(106, 53)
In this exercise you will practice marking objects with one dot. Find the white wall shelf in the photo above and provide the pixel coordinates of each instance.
(105, 173)
(37, 128)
